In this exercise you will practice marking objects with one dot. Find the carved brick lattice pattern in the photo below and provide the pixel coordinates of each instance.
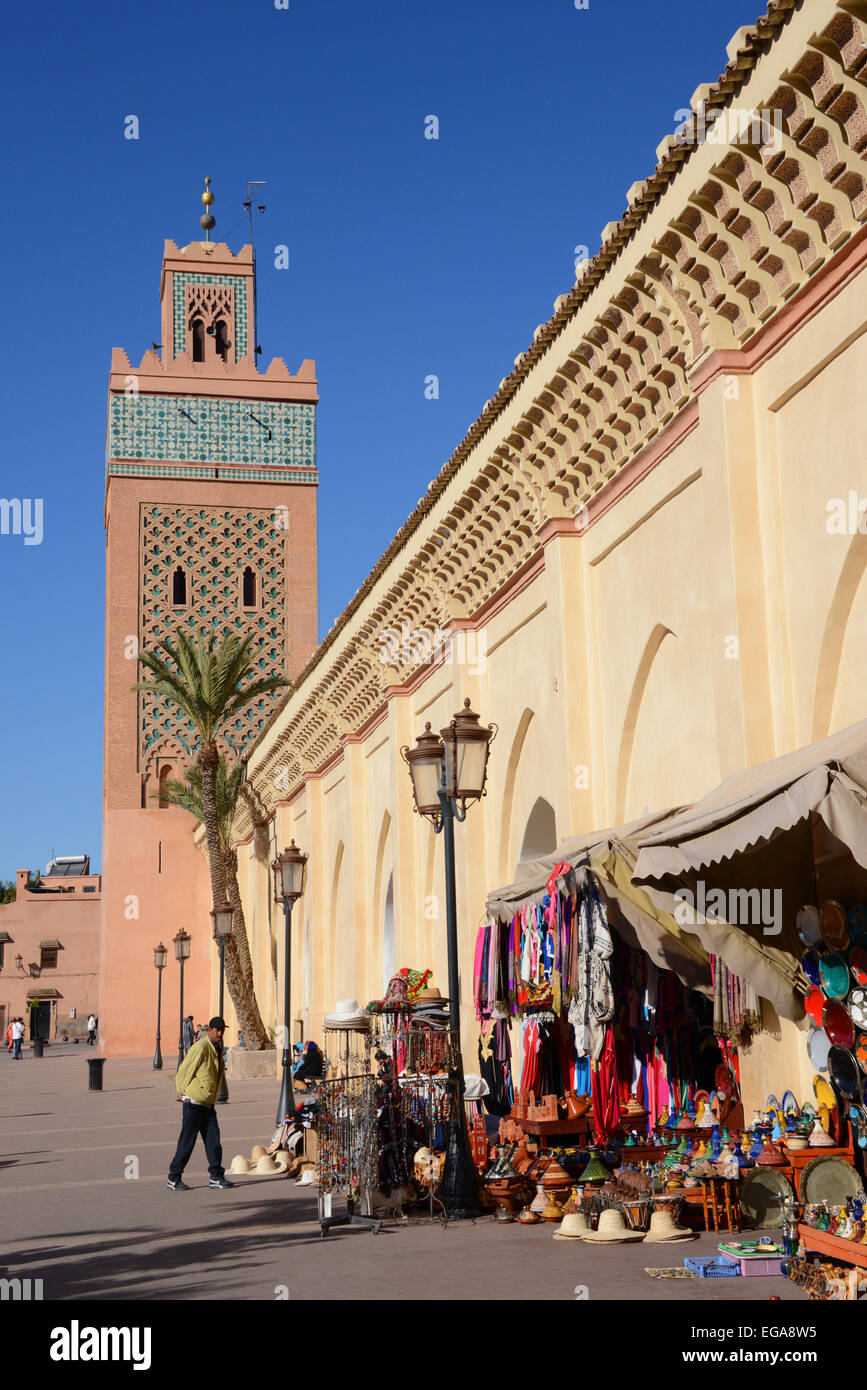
(213, 546)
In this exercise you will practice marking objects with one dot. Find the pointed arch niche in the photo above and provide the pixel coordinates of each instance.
(669, 752)
(540, 832)
(340, 933)
(838, 700)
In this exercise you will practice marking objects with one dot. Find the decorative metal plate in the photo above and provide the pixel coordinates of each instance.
(828, 1178)
(763, 1193)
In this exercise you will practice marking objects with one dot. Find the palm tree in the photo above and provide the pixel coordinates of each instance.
(188, 795)
(204, 679)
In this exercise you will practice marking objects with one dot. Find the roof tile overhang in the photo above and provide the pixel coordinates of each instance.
(51, 945)
(45, 994)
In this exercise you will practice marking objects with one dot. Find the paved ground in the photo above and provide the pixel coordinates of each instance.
(70, 1217)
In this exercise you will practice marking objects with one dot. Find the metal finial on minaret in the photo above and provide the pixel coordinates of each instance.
(207, 220)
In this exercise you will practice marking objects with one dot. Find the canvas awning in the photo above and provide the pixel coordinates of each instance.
(828, 779)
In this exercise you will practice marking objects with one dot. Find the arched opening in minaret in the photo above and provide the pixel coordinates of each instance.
(249, 588)
(198, 330)
(165, 776)
(221, 333)
(179, 586)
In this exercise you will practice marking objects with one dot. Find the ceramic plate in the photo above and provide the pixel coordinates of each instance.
(763, 1193)
(818, 1047)
(858, 964)
(828, 1178)
(832, 925)
(823, 1093)
(835, 976)
(814, 1004)
(857, 1004)
(837, 1022)
(845, 1073)
(856, 925)
(861, 1051)
(789, 1104)
(723, 1081)
(810, 967)
(807, 926)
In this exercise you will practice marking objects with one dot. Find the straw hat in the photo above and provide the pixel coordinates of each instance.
(239, 1164)
(573, 1227)
(348, 1014)
(259, 1152)
(283, 1159)
(612, 1229)
(662, 1227)
(266, 1164)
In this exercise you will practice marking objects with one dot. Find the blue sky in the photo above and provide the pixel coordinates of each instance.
(408, 257)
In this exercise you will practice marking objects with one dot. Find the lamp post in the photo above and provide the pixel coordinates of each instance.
(161, 955)
(448, 772)
(290, 877)
(221, 919)
(182, 953)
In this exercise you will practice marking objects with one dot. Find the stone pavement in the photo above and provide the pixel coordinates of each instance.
(70, 1217)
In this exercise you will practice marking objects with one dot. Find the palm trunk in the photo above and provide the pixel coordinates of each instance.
(239, 925)
(240, 989)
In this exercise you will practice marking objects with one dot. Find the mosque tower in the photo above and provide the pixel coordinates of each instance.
(210, 520)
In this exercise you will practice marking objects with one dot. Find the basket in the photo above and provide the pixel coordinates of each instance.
(712, 1267)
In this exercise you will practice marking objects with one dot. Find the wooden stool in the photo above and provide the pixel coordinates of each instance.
(712, 1207)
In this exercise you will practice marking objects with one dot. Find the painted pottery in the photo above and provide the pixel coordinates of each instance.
(861, 1051)
(814, 1004)
(540, 1201)
(845, 1073)
(526, 1217)
(837, 1022)
(857, 1005)
(832, 925)
(818, 1047)
(820, 1138)
(858, 965)
(834, 974)
(553, 1210)
(807, 925)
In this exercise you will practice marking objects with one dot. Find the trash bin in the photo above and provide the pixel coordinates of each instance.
(94, 1073)
(37, 1047)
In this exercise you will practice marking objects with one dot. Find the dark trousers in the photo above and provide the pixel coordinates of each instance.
(198, 1119)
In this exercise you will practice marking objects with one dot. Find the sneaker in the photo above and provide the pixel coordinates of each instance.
(220, 1182)
(176, 1185)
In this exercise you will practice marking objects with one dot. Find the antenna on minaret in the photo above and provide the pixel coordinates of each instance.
(207, 220)
(260, 207)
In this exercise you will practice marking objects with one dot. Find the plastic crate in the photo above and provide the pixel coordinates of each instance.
(712, 1267)
(750, 1265)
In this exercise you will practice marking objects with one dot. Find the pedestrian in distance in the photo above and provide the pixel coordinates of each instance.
(7, 1036)
(91, 1030)
(17, 1035)
(189, 1036)
(198, 1082)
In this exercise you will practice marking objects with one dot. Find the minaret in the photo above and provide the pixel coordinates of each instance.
(210, 506)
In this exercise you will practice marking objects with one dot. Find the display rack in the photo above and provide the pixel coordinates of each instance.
(346, 1123)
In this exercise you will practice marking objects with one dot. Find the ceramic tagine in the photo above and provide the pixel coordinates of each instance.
(705, 1119)
(819, 1137)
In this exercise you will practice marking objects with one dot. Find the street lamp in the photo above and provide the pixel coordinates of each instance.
(182, 953)
(448, 772)
(161, 955)
(221, 919)
(290, 877)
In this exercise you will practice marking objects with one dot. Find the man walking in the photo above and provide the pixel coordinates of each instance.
(198, 1082)
(17, 1035)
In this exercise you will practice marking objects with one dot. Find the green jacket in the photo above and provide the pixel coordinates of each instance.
(201, 1073)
